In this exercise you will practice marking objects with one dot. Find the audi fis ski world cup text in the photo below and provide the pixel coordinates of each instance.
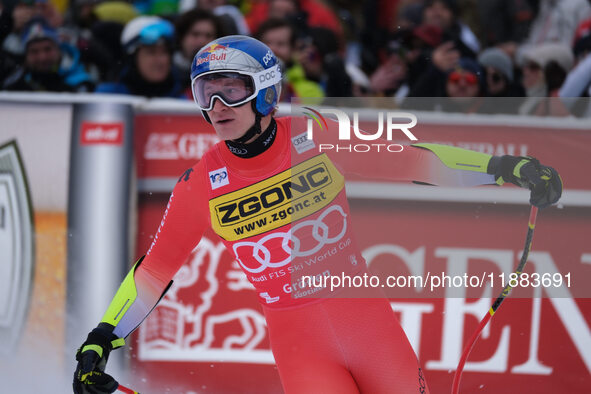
(387, 123)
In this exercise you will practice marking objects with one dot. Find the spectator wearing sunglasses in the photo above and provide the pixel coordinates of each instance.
(450, 84)
(500, 82)
(148, 70)
(464, 87)
(498, 68)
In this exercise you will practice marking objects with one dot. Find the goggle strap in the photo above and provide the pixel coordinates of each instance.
(274, 77)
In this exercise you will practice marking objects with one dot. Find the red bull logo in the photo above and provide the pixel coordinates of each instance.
(215, 47)
(212, 53)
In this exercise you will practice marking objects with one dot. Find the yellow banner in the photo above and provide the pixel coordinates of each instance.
(274, 202)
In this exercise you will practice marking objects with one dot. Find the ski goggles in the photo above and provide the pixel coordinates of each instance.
(233, 88)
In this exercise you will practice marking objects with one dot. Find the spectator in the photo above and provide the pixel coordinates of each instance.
(576, 85)
(49, 65)
(544, 71)
(504, 94)
(444, 15)
(148, 69)
(318, 55)
(409, 57)
(7, 62)
(280, 37)
(381, 19)
(432, 82)
(390, 75)
(301, 12)
(194, 29)
(499, 73)
(452, 84)
(557, 21)
(95, 28)
(20, 14)
(578, 81)
(505, 23)
(231, 19)
(464, 86)
(582, 41)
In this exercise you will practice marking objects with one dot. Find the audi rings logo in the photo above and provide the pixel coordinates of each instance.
(237, 151)
(320, 233)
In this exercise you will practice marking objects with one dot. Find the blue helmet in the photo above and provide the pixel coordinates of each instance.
(146, 30)
(245, 63)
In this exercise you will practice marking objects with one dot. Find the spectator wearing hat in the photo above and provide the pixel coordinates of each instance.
(498, 69)
(465, 87)
(49, 65)
(544, 71)
(148, 70)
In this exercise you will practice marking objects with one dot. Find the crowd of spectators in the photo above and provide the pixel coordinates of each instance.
(465, 51)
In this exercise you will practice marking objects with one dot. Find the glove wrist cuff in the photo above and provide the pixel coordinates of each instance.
(506, 168)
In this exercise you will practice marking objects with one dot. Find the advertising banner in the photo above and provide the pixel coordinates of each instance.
(33, 236)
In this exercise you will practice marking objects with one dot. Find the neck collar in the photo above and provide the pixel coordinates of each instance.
(256, 147)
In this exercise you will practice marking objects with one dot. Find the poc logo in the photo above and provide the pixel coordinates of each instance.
(218, 178)
(268, 57)
(268, 76)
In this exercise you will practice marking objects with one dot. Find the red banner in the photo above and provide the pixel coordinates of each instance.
(209, 334)
(166, 145)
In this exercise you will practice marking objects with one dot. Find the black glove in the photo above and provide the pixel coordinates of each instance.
(544, 182)
(92, 356)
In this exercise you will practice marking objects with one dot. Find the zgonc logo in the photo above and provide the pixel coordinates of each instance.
(101, 133)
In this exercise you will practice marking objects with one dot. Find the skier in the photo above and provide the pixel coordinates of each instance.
(329, 342)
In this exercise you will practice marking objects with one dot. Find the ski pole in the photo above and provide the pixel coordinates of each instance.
(496, 305)
(126, 390)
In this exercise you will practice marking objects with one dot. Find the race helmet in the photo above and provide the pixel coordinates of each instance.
(146, 30)
(236, 70)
